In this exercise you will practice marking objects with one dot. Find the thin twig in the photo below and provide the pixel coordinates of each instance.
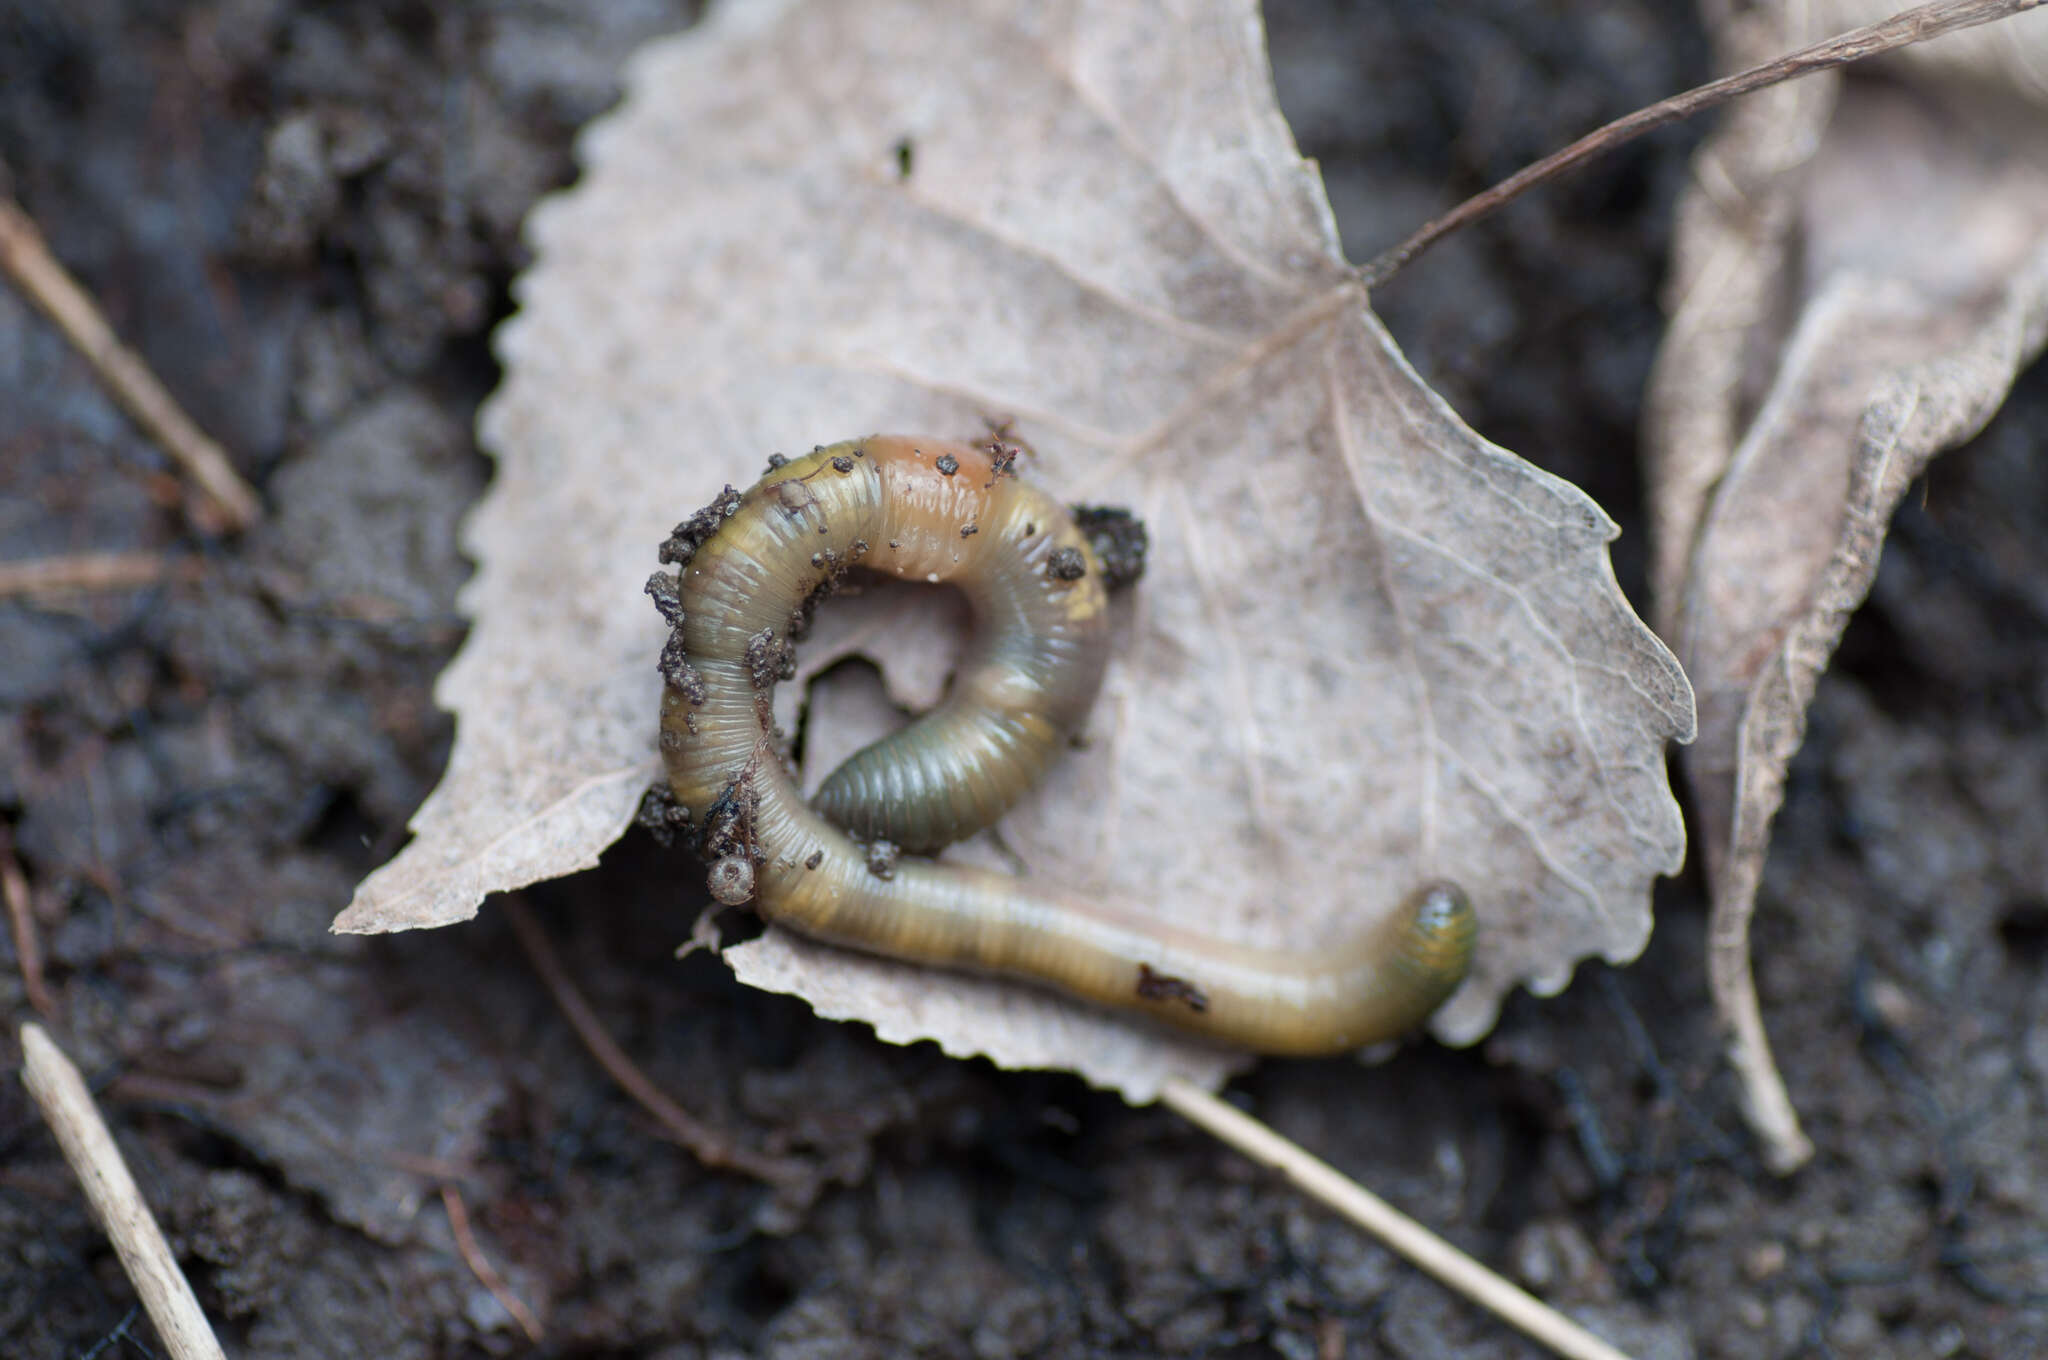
(90, 573)
(711, 1146)
(21, 920)
(68, 1109)
(1400, 1233)
(1901, 30)
(481, 1267)
(28, 261)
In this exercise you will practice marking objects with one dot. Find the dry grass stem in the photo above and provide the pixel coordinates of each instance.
(231, 503)
(89, 574)
(1402, 1234)
(59, 1091)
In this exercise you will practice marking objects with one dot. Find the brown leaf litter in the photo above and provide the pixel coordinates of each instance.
(1861, 270)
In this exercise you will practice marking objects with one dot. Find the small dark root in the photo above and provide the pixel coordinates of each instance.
(1002, 460)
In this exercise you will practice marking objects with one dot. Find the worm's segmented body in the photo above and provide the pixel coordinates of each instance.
(751, 568)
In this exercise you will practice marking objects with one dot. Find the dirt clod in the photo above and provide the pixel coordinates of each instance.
(1119, 540)
(770, 659)
(660, 815)
(1155, 986)
(682, 544)
(882, 856)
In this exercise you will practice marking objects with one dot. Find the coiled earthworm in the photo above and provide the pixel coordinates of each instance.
(753, 565)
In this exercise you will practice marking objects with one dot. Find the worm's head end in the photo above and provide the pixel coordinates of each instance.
(1445, 930)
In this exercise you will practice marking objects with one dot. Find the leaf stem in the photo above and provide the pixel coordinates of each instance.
(1915, 25)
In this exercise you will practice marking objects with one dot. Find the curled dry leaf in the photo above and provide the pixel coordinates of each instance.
(1371, 648)
(1861, 269)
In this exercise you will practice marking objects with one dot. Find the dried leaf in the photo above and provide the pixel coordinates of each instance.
(1371, 647)
(1861, 270)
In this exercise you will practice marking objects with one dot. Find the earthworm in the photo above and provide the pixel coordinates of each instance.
(751, 568)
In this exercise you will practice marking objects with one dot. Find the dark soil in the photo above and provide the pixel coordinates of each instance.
(305, 215)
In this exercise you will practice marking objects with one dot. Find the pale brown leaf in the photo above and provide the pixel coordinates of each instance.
(1371, 648)
(1860, 273)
